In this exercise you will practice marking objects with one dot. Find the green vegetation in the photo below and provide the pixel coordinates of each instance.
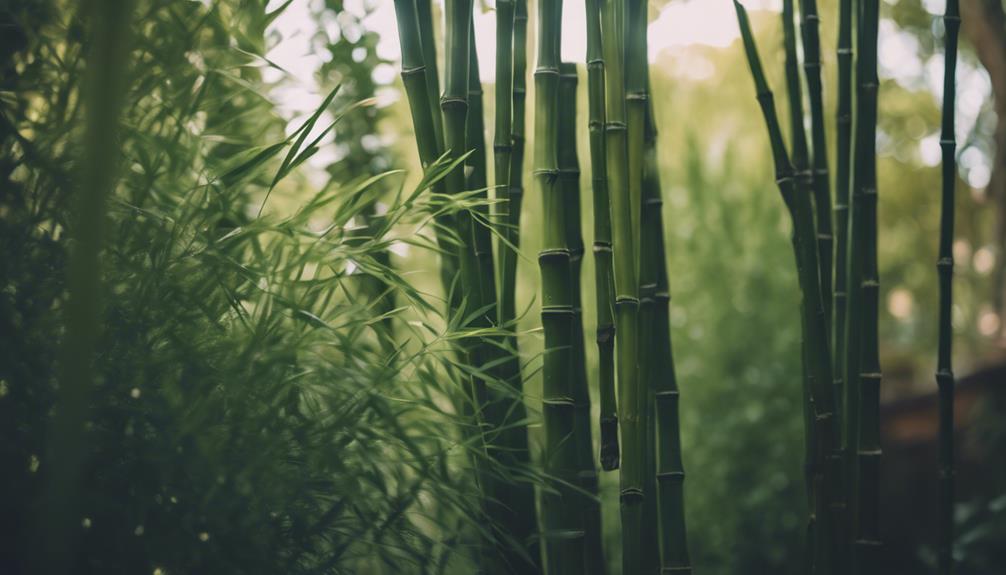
(268, 305)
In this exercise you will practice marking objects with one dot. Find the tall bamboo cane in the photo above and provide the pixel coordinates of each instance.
(604, 281)
(516, 191)
(810, 24)
(637, 112)
(817, 355)
(803, 183)
(635, 109)
(428, 47)
(563, 521)
(626, 288)
(669, 472)
(569, 183)
(415, 77)
(945, 266)
(517, 500)
(843, 181)
(503, 146)
(866, 544)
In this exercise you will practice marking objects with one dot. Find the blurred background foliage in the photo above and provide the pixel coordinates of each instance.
(276, 394)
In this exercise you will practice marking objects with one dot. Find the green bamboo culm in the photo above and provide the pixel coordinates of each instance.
(58, 528)
(626, 287)
(425, 113)
(516, 509)
(563, 532)
(518, 142)
(454, 105)
(866, 493)
(854, 310)
(803, 183)
(603, 278)
(638, 115)
(501, 409)
(428, 47)
(635, 109)
(816, 352)
(810, 24)
(503, 150)
(945, 269)
(669, 471)
(843, 182)
(569, 184)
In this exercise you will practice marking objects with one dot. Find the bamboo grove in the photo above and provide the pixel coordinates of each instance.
(834, 242)
(839, 280)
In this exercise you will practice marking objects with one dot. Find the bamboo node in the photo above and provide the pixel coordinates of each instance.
(615, 127)
(625, 300)
(601, 247)
(631, 495)
(546, 71)
(605, 334)
(945, 263)
(406, 72)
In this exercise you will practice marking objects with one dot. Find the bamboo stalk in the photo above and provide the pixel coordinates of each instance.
(803, 184)
(503, 144)
(516, 509)
(526, 525)
(569, 183)
(843, 181)
(563, 525)
(428, 48)
(637, 108)
(669, 471)
(604, 281)
(626, 287)
(516, 190)
(945, 267)
(57, 528)
(817, 355)
(810, 24)
(866, 544)
(415, 77)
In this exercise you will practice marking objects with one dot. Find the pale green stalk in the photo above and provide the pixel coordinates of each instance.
(563, 521)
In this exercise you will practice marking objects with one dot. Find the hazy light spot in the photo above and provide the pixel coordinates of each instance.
(400, 249)
(138, 531)
(135, 393)
(204, 537)
(900, 303)
(86, 523)
(3, 387)
(935, 6)
(33, 463)
(929, 150)
(962, 251)
(979, 176)
(984, 260)
(159, 571)
(988, 322)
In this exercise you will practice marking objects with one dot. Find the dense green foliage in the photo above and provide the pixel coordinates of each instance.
(278, 388)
